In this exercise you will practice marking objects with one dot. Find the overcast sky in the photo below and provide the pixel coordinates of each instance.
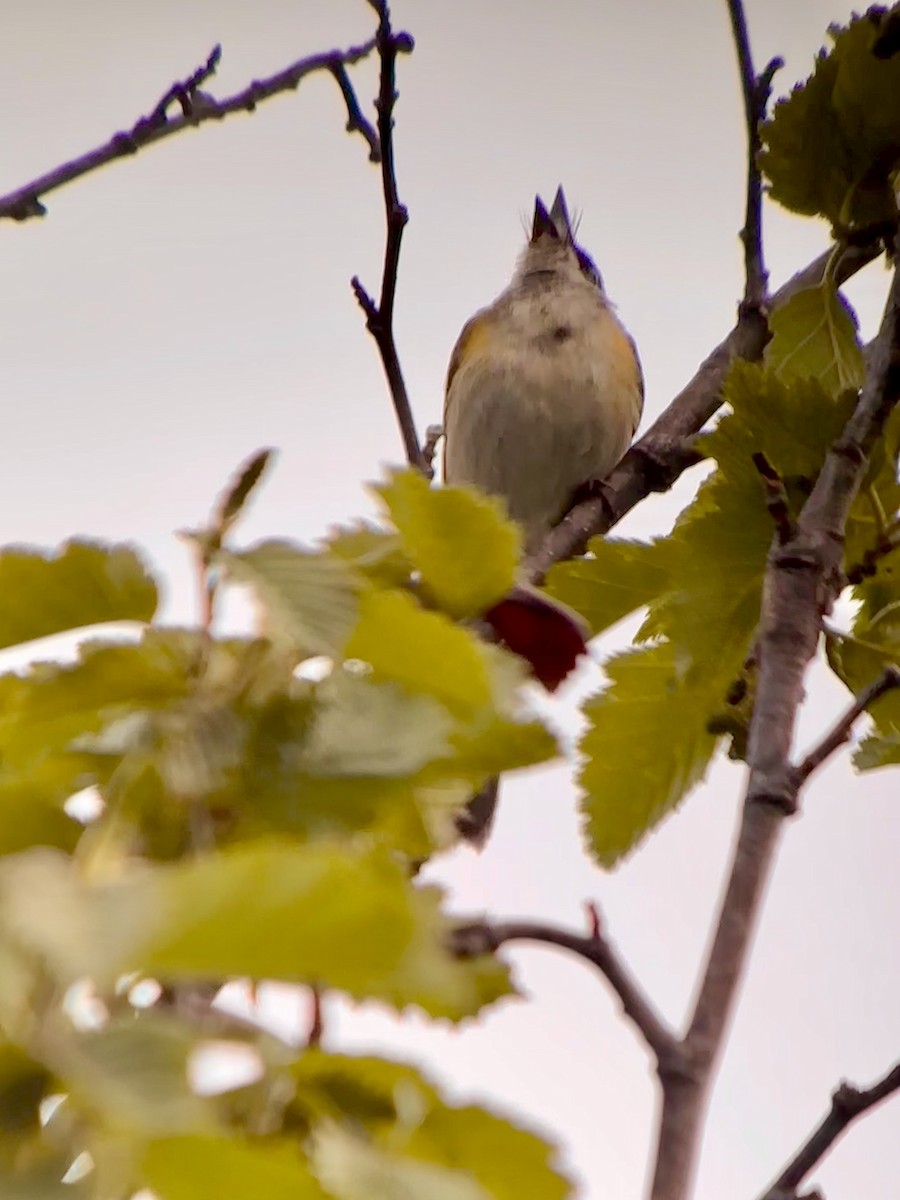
(186, 306)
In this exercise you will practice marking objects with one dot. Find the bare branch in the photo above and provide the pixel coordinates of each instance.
(356, 121)
(655, 462)
(847, 1103)
(756, 92)
(802, 580)
(595, 948)
(835, 738)
(196, 108)
(380, 316)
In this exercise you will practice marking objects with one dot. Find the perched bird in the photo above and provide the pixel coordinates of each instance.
(544, 394)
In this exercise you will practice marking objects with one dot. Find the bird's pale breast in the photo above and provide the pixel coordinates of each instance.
(544, 394)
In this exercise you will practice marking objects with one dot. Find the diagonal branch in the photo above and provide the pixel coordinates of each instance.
(655, 462)
(595, 948)
(380, 315)
(756, 91)
(836, 737)
(197, 107)
(847, 1103)
(803, 577)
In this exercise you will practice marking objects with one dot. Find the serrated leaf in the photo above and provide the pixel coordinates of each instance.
(716, 554)
(646, 748)
(462, 544)
(309, 600)
(82, 584)
(352, 1168)
(192, 921)
(227, 1168)
(814, 336)
(832, 145)
(619, 577)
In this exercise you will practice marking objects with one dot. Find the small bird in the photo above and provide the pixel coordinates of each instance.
(544, 394)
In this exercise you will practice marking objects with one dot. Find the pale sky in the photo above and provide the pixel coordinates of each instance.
(189, 305)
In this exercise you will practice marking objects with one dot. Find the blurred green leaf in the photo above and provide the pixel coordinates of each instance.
(375, 553)
(352, 1168)
(463, 545)
(366, 728)
(424, 652)
(193, 921)
(400, 1107)
(310, 599)
(832, 146)
(236, 495)
(619, 577)
(647, 746)
(814, 336)
(223, 1168)
(82, 584)
(134, 1072)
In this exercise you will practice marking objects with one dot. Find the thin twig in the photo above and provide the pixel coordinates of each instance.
(756, 91)
(847, 1103)
(197, 108)
(380, 316)
(595, 948)
(802, 580)
(776, 498)
(654, 463)
(356, 121)
(840, 734)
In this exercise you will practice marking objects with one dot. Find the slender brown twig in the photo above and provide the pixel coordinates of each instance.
(847, 1103)
(486, 937)
(196, 108)
(380, 315)
(840, 734)
(802, 580)
(756, 91)
(776, 498)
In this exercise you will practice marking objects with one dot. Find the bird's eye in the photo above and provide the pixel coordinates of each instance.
(588, 267)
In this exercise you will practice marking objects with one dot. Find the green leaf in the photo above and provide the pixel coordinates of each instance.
(134, 1072)
(366, 728)
(619, 577)
(647, 746)
(82, 584)
(858, 661)
(374, 553)
(462, 544)
(424, 652)
(831, 147)
(192, 921)
(814, 336)
(222, 1168)
(400, 1107)
(310, 600)
(716, 554)
(352, 1168)
(236, 495)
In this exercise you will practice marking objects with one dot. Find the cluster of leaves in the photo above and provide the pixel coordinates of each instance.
(832, 149)
(255, 819)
